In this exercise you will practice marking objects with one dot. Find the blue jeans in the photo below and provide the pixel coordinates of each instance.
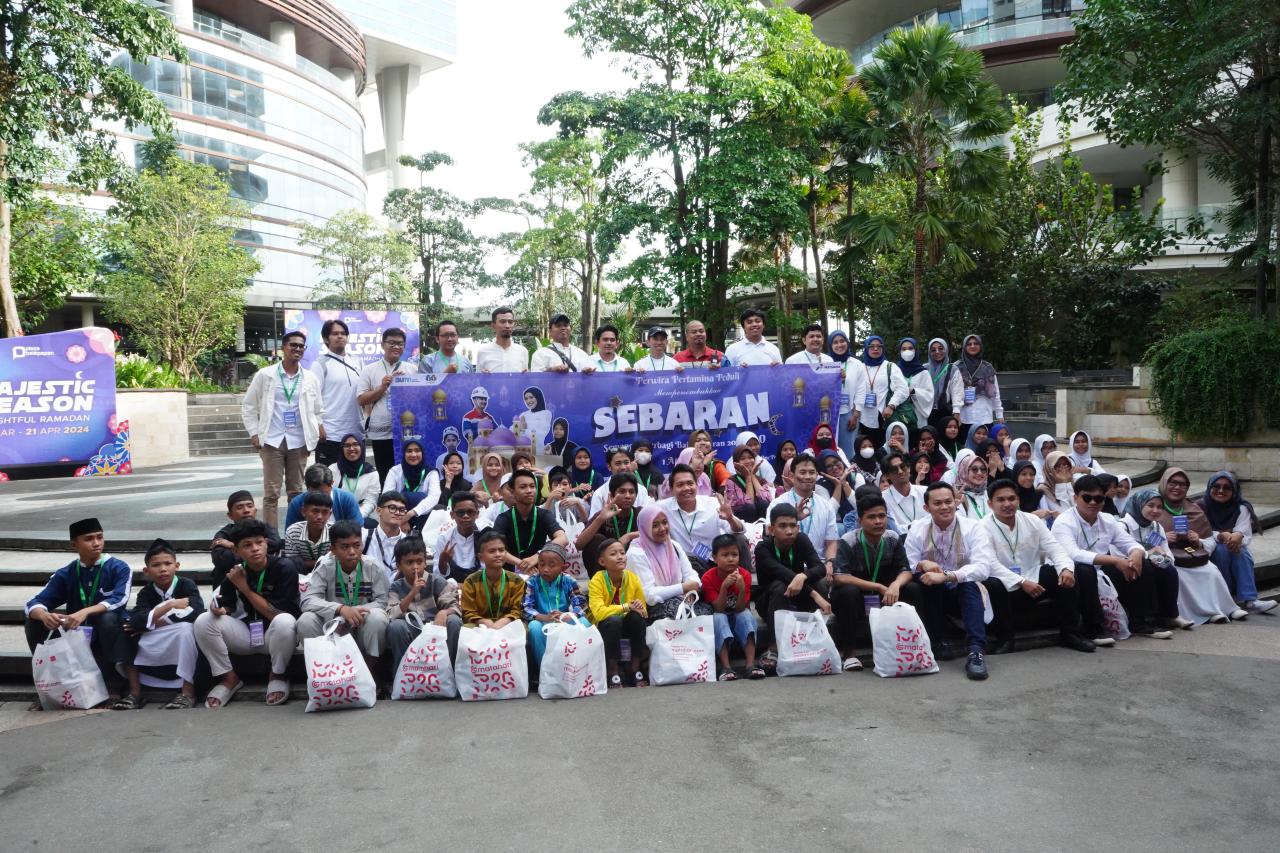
(942, 599)
(844, 437)
(734, 626)
(1237, 571)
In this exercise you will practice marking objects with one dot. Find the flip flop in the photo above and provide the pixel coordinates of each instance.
(278, 685)
(181, 702)
(756, 673)
(132, 702)
(852, 664)
(222, 694)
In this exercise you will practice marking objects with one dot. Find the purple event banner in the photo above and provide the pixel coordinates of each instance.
(58, 403)
(365, 342)
(504, 412)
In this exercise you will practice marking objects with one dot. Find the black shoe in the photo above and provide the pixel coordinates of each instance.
(1002, 647)
(1147, 629)
(946, 651)
(976, 667)
(1075, 641)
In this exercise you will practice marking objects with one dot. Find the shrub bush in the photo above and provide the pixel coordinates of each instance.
(1219, 382)
(138, 371)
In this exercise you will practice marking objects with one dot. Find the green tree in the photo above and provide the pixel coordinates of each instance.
(59, 88)
(1203, 76)
(368, 262)
(55, 252)
(688, 151)
(178, 278)
(937, 120)
(435, 224)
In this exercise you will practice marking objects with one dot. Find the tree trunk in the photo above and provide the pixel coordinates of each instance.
(848, 244)
(817, 257)
(12, 322)
(917, 272)
(1262, 204)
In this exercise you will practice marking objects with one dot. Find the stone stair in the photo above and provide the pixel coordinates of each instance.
(214, 427)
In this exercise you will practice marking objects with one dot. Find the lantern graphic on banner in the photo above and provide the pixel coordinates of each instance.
(824, 409)
(438, 398)
(408, 424)
(797, 393)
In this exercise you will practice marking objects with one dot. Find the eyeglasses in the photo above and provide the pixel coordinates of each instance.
(394, 344)
(296, 345)
(351, 445)
(1221, 487)
(1178, 484)
(1093, 499)
(465, 513)
(395, 509)
(981, 469)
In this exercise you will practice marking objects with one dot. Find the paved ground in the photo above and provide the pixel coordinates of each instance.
(1161, 746)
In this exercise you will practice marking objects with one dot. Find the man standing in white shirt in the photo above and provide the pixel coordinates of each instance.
(561, 356)
(812, 354)
(1030, 564)
(753, 350)
(502, 354)
(1089, 536)
(282, 411)
(657, 359)
(375, 382)
(339, 374)
(696, 519)
(815, 511)
(606, 358)
(951, 556)
(904, 500)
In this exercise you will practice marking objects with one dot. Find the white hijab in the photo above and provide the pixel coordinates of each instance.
(1012, 458)
(1083, 460)
(1037, 458)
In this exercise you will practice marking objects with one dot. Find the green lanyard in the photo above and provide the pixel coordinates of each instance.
(486, 487)
(488, 600)
(955, 535)
(604, 365)
(688, 528)
(866, 556)
(973, 503)
(1013, 546)
(351, 591)
(86, 598)
(546, 593)
(515, 526)
(645, 482)
(614, 593)
(261, 576)
(289, 390)
(418, 487)
(630, 524)
(791, 554)
(741, 481)
(1171, 510)
(349, 483)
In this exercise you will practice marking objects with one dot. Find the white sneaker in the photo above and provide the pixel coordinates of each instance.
(1260, 605)
(1182, 624)
(852, 664)
(1104, 641)
(1218, 619)
(1239, 614)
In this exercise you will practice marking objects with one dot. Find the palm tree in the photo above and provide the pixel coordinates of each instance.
(936, 121)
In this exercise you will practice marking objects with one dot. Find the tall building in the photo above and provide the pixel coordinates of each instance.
(1019, 41)
(278, 95)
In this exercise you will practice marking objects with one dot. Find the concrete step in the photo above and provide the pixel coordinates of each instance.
(215, 399)
(214, 444)
(195, 419)
(1137, 406)
(218, 432)
(222, 451)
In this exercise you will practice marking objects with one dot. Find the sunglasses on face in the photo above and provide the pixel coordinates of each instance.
(296, 345)
(1221, 487)
(465, 513)
(1093, 499)
(978, 469)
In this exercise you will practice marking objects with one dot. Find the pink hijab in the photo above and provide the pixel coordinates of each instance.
(704, 482)
(663, 559)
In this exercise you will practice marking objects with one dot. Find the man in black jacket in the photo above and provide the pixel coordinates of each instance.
(240, 506)
(790, 572)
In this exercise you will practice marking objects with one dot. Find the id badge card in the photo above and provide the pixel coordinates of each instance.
(870, 602)
(844, 401)
(1017, 570)
(970, 394)
(291, 417)
(869, 401)
(88, 633)
(1180, 525)
(702, 552)
(257, 634)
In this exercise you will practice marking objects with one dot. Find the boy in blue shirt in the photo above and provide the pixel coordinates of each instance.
(94, 589)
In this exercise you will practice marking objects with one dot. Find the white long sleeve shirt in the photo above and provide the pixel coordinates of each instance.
(806, 357)
(493, 358)
(262, 411)
(430, 485)
(654, 593)
(365, 488)
(820, 524)
(966, 551)
(690, 530)
(1027, 547)
(1084, 541)
(547, 359)
(339, 377)
(983, 410)
(905, 509)
(758, 354)
(884, 380)
(920, 393)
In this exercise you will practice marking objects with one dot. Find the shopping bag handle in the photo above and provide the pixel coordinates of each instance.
(332, 625)
(414, 619)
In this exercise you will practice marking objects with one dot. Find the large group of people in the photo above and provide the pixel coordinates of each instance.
(917, 492)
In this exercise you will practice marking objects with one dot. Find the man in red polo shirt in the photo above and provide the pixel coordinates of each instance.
(697, 353)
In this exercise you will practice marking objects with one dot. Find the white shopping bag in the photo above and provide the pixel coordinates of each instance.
(573, 663)
(337, 676)
(899, 642)
(425, 671)
(681, 649)
(65, 673)
(1114, 620)
(439, 523)
(492, 664)
(805, 646)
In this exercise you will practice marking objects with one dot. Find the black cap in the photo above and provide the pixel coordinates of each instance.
(85, 525)
(557, 319)
(655, 331)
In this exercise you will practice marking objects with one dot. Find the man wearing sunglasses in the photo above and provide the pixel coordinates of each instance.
(282, 411)
(1091, 538)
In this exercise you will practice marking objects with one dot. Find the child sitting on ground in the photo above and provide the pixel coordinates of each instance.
(727, 587)
(549, 594)
(492, 596)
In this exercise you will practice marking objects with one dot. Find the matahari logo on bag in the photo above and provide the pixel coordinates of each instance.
(569, 649)
(700, 675)
(797, 638)
(672, 633)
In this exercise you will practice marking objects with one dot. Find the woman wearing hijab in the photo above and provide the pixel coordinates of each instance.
(764, 469)
(1059, 496)
(1233, 522)
(1203, 595)
(1019, 451)
(896, 440)
(1029, 497)
(1081, 454)
(875, 388)
(977, 437)
(839, 349)
(839, 482)
(488, 486)
(582, 472)
(692, 457)
(1123, 487)
(536, 422)
(451, 479)
(994, 457)
(786, 452)
(662, 566)
(823, 438)
(649, 475)
(999, 433)
(866, 460)
(950, 475)
(971, 484)
(919, 389)
(560, 444)
(950, 439)
(1044, 445)
(420, 487)
(748, 495)
(939, 462)
(980, 403)
(1109, 484)
(353, 474)
(948, 389)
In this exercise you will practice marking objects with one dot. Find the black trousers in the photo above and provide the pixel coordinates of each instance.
(851, 612)
(384, 457)
(1005, 604)
(1152, 593)
(774, 598)
(629, 626)
(328, 452)
(110, 644)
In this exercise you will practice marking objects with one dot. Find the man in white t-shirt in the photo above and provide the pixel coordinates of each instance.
(339, 374)
(375, 382)
(657, 359)
(503, 354)
(606, 358)
(696, 519)
(561, 356)
(904, 500)
(812, 354)
(753, 350)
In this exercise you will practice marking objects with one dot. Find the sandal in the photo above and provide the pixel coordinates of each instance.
(181, 702)
(222, 695)
(132, 702)
(280, 686)
(728, 675)
(852, 664)
(769, 662)
(756, 672)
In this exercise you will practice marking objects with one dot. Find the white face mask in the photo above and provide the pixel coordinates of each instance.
(867, 452)
(908, 355)
(643, 457)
